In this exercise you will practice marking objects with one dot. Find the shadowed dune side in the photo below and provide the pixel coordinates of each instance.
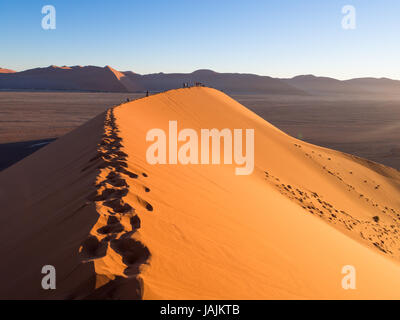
(45, 217)
(64, 206)
(13, 152)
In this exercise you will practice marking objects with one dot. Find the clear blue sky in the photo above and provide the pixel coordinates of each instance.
(280, 38)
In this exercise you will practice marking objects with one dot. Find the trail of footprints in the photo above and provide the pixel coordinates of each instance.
(385, 237)
(118, 220)
(379, 208)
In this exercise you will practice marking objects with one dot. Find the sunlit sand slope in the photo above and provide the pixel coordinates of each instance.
(286, 231)
(115, 226)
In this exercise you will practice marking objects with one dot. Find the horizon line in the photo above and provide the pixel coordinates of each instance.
(206, 69)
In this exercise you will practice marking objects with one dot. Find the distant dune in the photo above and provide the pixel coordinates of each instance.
(318, 85)
(361, 86)
(228, 82)
(115, 226)
(75, 78)
(107, 79)
(92, 78)
(6, 71)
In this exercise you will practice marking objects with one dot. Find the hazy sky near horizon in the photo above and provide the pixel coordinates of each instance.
(279, 38)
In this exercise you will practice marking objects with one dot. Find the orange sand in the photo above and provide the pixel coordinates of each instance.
(6, 71)
(116, 227)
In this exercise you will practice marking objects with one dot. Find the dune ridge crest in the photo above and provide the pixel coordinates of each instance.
(111, 245)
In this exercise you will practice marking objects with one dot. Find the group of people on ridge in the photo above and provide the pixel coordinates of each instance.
(185, 85)
(196, 84)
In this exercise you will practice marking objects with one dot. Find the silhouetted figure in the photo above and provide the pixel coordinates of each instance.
(127, 100)
(147, 93)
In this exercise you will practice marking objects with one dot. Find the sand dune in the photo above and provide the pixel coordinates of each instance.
(6, 71)
(359, 86)
(228, 82)
(107, 79)
(89, 78)
(115, 226)
(129, 85)
(319, 85)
